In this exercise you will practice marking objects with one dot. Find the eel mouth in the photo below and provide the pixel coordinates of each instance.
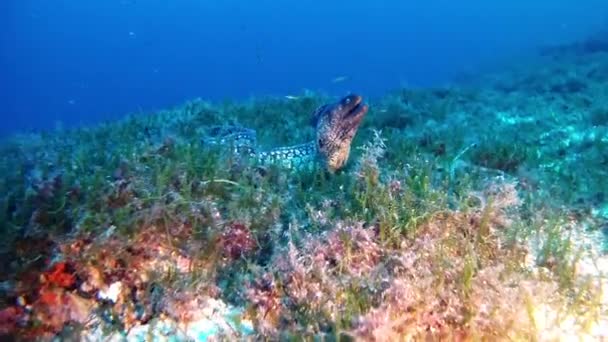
(355, 108)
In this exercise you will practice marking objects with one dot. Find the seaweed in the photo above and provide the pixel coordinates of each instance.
(459, 215)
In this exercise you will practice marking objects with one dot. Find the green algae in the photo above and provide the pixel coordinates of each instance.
(438, 149)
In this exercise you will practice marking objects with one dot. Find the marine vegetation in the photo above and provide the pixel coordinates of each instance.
(476, 211)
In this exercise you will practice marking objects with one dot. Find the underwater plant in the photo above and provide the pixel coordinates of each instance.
(470, 212)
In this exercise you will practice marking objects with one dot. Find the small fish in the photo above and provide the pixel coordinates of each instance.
(291, 97)
(339, 79)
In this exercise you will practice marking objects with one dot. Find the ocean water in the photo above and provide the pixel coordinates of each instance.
(68, 62)
(184, 170)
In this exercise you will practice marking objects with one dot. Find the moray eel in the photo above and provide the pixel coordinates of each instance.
(336, 125)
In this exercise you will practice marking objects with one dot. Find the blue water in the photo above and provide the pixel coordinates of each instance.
(69, 62)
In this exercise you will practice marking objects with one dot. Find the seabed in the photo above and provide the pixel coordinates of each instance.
(475, 211)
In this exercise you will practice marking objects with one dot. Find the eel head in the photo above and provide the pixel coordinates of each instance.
(336, 126)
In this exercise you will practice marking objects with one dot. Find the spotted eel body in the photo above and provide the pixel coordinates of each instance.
(336, 125)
